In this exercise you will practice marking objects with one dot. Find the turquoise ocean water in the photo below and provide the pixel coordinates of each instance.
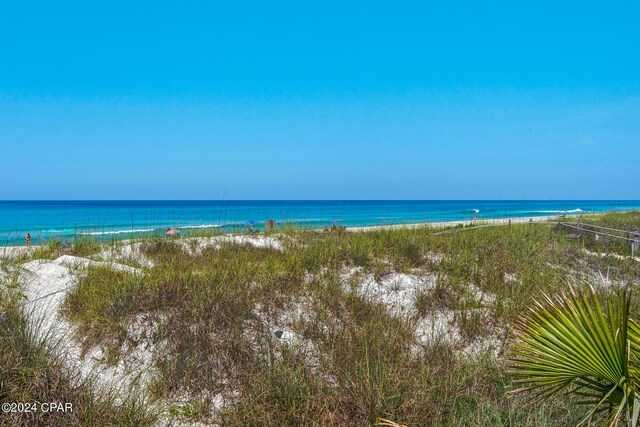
(126, 219)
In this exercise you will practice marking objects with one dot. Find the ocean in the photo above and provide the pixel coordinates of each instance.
(105, 220)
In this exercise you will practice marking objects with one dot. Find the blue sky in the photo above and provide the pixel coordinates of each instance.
(371, 100)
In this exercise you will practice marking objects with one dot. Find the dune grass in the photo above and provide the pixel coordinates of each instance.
(32, 371)
(258, 336)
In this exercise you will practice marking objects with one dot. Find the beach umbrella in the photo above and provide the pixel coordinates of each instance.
(251, 222)
(334, 220)
(172, 232)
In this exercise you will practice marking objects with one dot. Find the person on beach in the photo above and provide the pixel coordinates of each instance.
(28, 239)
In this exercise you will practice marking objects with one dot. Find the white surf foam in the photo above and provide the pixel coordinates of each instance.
(200, 226)
(102, 233)
(577, 210)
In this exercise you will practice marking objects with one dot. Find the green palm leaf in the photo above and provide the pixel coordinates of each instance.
(571, 344)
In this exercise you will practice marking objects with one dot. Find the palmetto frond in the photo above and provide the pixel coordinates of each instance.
(572, 344)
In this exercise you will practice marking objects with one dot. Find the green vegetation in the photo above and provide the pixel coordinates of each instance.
(339, 327)
(79, 246)
(627, 221)
(32, 372)
(612, 232)
(574, 345)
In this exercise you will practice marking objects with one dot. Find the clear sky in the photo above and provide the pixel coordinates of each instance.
(320, 100)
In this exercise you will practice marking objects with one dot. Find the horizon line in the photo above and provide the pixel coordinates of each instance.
(318, 200)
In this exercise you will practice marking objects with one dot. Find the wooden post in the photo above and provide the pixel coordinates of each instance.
(509, 223)
(636, 243)
(606, 244)
(558, 226)
(579, 231)
(270, 225)
(530, 221)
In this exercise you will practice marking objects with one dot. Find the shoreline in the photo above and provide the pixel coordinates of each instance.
(122, 220)
(9, 251)
(489, 221)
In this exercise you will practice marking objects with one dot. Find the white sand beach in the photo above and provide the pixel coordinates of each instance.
(479, 222)
(11, 251)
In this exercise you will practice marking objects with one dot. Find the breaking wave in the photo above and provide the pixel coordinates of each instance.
(58, 230)
(577, 210)
(104, 233)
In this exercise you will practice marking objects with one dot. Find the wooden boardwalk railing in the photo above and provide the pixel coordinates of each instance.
(628, 238)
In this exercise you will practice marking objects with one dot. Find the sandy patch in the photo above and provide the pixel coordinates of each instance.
(397, 291)
(196, 245)
(45, 284)
(126, 252)
(611, 254)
